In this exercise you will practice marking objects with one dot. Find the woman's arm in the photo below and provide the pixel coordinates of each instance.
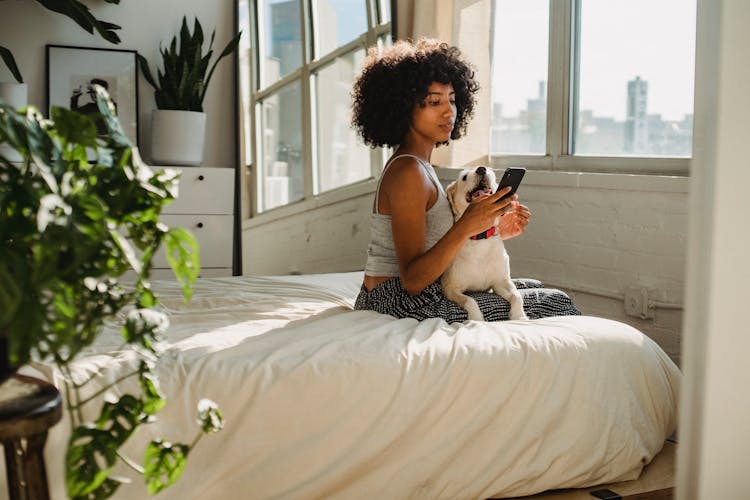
(406, 193)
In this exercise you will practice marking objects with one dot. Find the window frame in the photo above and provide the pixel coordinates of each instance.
(305, 74)
(562, 71)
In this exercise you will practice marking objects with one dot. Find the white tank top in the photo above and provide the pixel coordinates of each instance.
(381, 253)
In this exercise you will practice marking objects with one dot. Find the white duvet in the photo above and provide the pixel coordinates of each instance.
(324, 402)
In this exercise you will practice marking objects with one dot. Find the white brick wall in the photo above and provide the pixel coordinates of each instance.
(593, 235)
(594, 238)
(309, 239)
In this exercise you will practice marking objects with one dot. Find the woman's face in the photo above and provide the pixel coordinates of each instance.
(433, 118)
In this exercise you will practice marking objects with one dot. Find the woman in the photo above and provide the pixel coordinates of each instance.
(414, 97)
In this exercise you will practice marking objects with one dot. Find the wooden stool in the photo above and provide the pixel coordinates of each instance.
(28, 408)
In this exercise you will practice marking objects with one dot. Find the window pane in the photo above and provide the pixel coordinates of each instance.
(635, 81)
(342, 157)
(519, 77)
(338, 22)
(280, 138)
(282, 40)
(384, 7)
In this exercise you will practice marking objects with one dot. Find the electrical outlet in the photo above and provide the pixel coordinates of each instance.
(637, 303)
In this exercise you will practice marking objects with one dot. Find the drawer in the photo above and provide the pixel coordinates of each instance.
(203, 190)
(214, 235)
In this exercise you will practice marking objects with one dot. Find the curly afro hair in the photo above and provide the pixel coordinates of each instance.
(393, 81)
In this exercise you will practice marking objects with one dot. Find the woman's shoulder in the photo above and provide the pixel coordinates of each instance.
(405, 172)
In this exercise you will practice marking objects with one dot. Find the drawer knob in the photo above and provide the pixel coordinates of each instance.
(200, 177)
(200, 224)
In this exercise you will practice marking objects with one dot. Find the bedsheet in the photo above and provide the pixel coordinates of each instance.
(321, 401)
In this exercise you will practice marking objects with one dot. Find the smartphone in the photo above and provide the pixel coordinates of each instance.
(511, 177)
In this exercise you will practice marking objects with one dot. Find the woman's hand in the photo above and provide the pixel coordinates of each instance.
(514, 222)
(482, 212)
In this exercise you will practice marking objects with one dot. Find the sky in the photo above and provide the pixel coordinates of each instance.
(621, 39)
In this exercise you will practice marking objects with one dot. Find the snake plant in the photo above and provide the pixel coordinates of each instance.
(183, 82)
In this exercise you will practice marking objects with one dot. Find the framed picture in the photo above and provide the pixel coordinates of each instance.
(72, 72)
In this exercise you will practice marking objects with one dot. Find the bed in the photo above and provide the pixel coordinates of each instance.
(321, 401)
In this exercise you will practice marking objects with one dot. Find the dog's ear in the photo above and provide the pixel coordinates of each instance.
(450, 191)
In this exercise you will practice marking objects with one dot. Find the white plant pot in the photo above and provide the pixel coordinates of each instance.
(15, 95)
(177, 137)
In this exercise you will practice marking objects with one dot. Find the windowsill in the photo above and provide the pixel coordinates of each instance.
(592, 180)
(344, 193)
(584, 180)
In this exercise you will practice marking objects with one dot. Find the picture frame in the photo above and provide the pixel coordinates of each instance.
(72, 70)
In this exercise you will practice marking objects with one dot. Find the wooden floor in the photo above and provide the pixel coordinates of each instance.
(656, 482)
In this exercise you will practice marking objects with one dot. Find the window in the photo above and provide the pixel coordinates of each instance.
(281, 146)
(281, 39)
(296, 76)
(341, 159)
(591, 84)
(520, 60)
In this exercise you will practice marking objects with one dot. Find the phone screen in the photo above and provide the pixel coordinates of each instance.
(511, 177)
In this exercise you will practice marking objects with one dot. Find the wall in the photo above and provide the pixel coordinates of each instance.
(310, 236)
(25, 28)
(593, 235)
(596, 235)
(715, 409)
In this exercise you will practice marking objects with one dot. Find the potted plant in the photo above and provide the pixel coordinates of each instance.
(178, 125)
(69, 229)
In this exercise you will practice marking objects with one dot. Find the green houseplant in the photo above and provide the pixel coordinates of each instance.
(69, 230)
(178, 125)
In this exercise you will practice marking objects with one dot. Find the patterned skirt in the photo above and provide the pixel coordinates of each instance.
(390, 298)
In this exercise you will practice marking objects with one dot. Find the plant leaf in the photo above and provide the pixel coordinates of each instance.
(231, 47)
(104, 490)
(143, 63)
(127, 251)
(153, 400)
(10, 293)
(10, 62)
(74, 127)
(163, 464)
(144, 326)
(81, 14)
(183, 257)
(209, 416)
(89, 460)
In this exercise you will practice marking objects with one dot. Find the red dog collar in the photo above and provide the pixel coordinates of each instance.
(486, 234)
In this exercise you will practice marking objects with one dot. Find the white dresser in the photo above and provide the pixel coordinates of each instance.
(205, 207)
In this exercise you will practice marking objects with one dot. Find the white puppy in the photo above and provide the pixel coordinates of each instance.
(483, 263)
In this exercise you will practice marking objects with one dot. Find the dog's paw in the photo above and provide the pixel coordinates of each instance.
(521, 316)
(472, 308)
(476, 316)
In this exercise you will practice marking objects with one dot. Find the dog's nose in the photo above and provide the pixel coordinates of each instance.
(481, 170)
